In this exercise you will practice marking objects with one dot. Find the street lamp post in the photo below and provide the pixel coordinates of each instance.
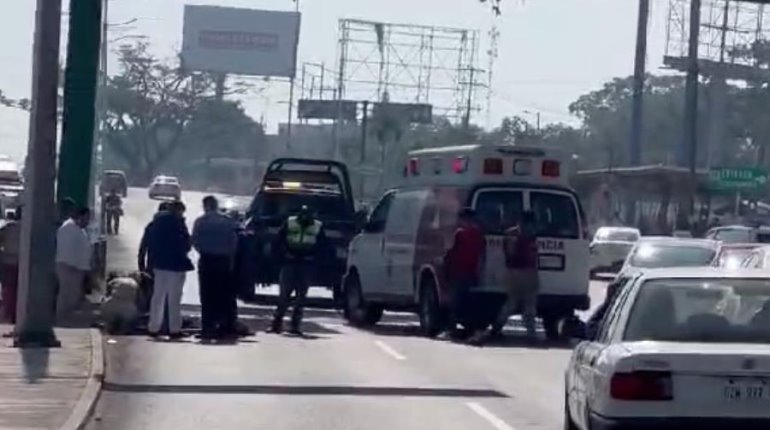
(537, 118)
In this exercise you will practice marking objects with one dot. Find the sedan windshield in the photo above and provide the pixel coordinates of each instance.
(651, 256)
(702, 310)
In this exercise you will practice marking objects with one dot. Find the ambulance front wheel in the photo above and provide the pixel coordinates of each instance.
(432, 316)
(357, 311)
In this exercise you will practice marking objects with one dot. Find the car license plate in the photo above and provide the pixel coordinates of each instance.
(746, 390)
(550, 262)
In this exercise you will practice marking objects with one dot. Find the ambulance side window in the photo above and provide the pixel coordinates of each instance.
(498, 210)
(555, 215)
(379, 216)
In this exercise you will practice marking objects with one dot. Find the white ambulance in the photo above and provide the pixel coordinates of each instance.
(396, 263)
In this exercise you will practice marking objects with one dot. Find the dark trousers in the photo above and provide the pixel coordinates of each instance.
(460, 287)
(295, 279)
(217, 294)
(9, 277)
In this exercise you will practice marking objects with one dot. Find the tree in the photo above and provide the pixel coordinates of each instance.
(151, 105)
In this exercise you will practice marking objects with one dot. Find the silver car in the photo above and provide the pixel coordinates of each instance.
(165, 187)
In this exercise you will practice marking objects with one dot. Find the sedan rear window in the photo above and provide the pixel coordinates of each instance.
(651, 256)
(710, 311)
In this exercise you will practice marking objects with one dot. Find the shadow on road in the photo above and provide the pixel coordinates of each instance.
(305, 390)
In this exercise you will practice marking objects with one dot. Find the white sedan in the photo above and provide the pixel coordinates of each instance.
(611, 246)
(165, 187)
(678, 349)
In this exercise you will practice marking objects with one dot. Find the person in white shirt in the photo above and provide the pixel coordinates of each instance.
(73, 261)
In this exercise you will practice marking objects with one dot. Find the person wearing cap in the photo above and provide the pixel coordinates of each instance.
(299, 245)
(463, 265)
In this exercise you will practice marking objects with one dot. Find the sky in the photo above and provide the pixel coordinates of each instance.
(550, 51)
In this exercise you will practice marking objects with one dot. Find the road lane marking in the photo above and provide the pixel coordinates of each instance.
(491, 418)
(389, 350)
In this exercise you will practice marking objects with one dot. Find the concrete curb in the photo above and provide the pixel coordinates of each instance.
(85, 405)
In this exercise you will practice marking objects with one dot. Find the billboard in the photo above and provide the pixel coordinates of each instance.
(416, 113)
(240, 41)
(327, 109)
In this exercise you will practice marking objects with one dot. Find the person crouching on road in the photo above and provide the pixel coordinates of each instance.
(73, 262)
(10, 234)
(167, 247)
(522, 278)
(463, 265)
(216, 240)
(299, 246)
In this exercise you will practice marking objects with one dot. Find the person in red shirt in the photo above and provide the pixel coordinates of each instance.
(463, 262)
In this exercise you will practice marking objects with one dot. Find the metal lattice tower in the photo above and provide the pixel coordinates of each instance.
(727, 27)
(411, 64)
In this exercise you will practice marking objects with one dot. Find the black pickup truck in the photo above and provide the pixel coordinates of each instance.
(289, 184)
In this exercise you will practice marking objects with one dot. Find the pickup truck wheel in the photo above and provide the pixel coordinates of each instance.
(432, 318)
(358, 312)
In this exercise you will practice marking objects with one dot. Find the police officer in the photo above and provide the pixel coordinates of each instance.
(299, 246)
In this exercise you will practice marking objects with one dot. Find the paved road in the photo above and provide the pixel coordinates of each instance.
(336, 378)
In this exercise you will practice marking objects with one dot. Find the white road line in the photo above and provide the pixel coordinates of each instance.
(389, 350)
(491, 418)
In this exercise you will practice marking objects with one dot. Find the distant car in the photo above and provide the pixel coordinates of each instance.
(235, 207)
(732, 234)
(679, 349)
(114, 180)
(653, 252)
(611, 246)
(165, 187)
(740, 234)
(732, 255)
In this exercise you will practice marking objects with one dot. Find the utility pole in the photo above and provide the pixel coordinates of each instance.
(690, 144)
(83, 49)
(291, 93)
(635, 148)
(35, 308)
(637, 107)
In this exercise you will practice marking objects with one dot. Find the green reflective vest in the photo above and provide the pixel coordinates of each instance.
(299, 237)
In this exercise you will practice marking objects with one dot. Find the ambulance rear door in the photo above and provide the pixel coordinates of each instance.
(564, 254)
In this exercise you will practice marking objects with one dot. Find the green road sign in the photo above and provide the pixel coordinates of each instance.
(737, 178)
